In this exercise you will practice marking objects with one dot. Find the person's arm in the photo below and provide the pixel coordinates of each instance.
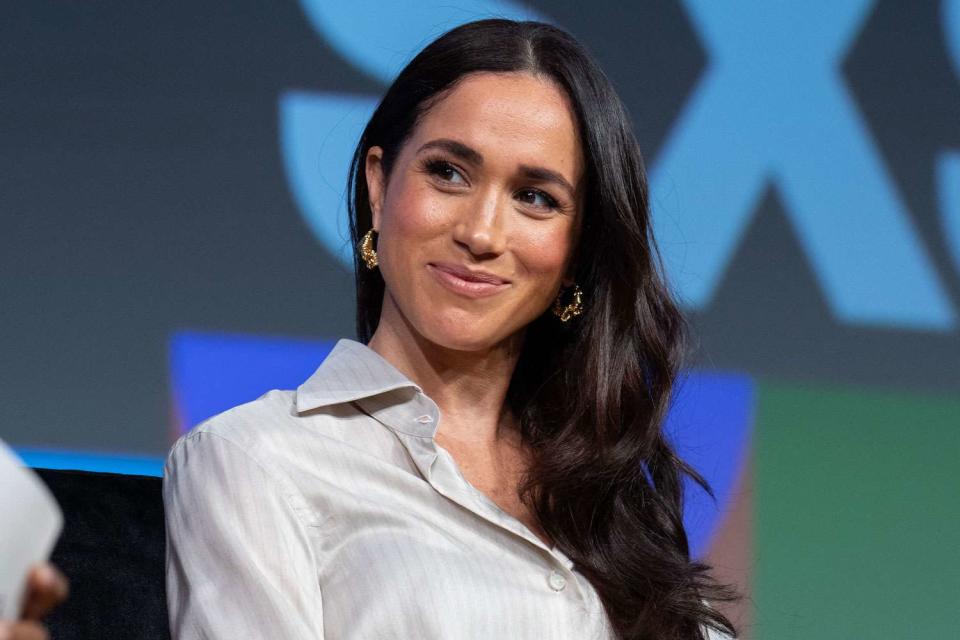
(239, 559)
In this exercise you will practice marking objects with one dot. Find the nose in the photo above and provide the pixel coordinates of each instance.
(480, 226)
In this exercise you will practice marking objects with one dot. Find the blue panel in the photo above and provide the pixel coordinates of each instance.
(42, 458)
(212, 372)
(710, 421)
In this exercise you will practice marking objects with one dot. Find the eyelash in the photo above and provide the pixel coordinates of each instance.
(437, 167)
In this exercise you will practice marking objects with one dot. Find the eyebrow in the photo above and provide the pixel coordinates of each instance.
(471, 155)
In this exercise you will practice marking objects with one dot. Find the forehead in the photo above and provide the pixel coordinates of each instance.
(514, 118)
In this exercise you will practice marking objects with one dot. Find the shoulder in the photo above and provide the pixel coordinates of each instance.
(248, 434)
(271, 432)
(250, 425)
(244, 452)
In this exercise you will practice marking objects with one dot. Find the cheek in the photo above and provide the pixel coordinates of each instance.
(412, 226)
(413, 213)
(543, 252)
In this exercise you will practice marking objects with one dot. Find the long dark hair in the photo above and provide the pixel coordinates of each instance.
(591, 397)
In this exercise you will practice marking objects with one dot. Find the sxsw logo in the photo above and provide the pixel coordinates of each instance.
(771, 108)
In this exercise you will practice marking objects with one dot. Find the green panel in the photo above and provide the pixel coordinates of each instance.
(857, 515)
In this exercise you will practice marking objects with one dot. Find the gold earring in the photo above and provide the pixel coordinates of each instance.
(571, 310)
(366, 250)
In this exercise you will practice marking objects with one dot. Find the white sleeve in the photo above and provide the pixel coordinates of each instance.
(713, 634)
(239, 563)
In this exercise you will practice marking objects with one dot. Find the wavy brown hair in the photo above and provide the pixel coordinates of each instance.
(591, 397)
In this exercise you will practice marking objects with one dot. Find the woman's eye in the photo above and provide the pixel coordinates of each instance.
(444, 170)
(545, 200)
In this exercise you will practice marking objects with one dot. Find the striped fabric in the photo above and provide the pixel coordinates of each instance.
(329, 512)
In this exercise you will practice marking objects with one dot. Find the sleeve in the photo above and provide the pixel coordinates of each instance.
(239, 563)
(713, 634)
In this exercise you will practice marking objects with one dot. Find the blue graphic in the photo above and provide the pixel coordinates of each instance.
(948, 179)
(772, 98)
(710, 423)
(948, 164)
(772, 108)
(213, 372)
(951, 29)
(379, 38)
(318, 134)
(42, 458)
(319, 131)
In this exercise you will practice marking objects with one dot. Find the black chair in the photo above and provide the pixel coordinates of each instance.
(112, 549)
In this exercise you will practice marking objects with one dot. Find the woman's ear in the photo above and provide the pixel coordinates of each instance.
(375, 182)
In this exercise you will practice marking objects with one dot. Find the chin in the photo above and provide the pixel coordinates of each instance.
(463, 332)
(462, 340)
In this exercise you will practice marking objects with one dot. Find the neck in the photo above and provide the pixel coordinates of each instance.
(469, 386)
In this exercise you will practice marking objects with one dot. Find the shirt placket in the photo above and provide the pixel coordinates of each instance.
(448, 480)
(415, 422)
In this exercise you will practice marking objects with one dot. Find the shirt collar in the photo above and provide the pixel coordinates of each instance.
(351, 371)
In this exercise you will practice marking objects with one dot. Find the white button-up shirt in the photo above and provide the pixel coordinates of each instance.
(330, 512)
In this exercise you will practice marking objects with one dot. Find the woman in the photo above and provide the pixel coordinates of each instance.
(487, 461)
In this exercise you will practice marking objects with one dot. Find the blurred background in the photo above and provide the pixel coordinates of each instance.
(173, 242)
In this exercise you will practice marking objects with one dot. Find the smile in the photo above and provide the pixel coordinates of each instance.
(468, 288)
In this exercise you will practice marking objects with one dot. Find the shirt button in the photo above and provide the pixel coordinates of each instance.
(557, 582)
(424, 419)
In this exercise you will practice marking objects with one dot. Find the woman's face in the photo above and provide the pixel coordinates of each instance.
(489, 183)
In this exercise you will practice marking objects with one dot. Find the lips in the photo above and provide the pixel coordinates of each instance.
(466, 274)
(470, 284)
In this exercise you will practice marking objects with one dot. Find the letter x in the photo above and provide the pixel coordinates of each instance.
(772, 107)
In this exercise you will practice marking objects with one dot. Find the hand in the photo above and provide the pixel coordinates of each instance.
(46, 587)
